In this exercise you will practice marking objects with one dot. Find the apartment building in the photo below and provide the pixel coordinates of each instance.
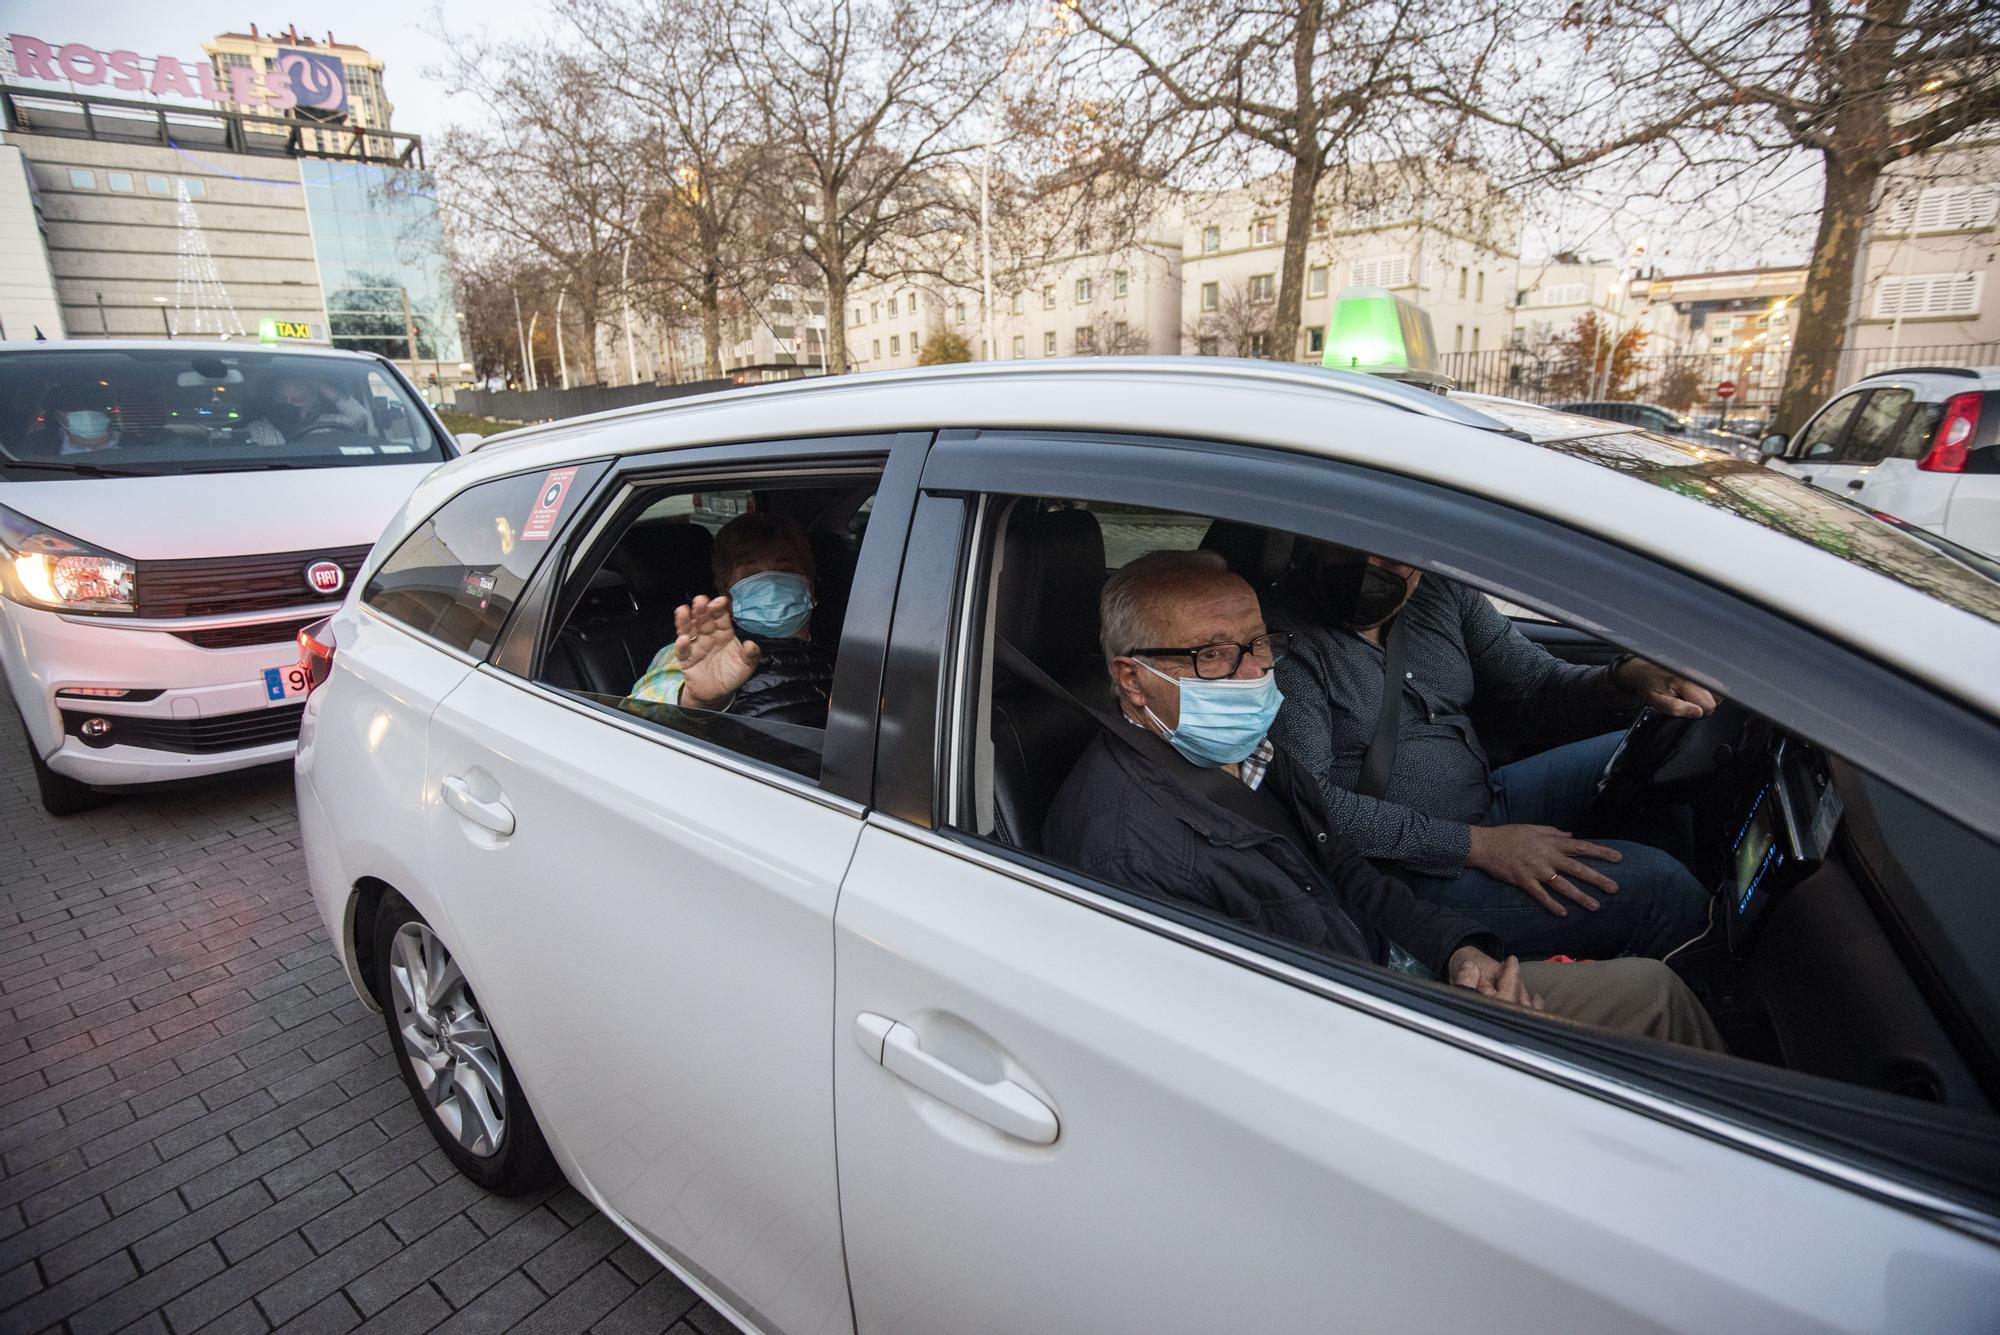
(1933, 244)
(1557, 292)
(336, 84)
(1452, 248)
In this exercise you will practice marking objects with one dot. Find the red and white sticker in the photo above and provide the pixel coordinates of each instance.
(542, 519)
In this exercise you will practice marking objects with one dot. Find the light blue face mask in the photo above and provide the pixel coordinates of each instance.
(1222, 722)
(88, 423)
(771, 604)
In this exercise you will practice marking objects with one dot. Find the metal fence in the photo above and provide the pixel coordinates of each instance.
(542, 405)
(1685, 382)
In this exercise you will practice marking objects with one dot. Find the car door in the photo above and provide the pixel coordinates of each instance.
(1065, 1107)
(646, 917)
(1813, 454)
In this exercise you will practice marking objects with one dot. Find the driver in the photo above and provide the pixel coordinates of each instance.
(1496, 845)
(297, 404)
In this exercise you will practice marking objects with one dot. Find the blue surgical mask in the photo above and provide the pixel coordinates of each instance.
(1222, 722)
(772, 604)
(88, 423)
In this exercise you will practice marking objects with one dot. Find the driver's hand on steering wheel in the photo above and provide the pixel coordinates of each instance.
(1663, 690)
(1543, 862)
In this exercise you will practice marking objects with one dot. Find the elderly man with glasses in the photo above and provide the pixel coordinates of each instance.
(1191, 802)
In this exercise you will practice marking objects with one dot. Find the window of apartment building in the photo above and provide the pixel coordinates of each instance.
(1260, 345)
(892, 308)
(1475, 338)
(876, 350)
(1458, 338)
(1263, 231)
(1482, 286)
(195, 189)
(1315, 340)
(1320, 226)
(1944, 208)
(1121, 283)
(895, 345)
(911, 302)
(1082, 242)
(958, 312)
(1048, 296)
(1719, 341)
(1085, 340)
(1380, 271)
(857, 315)
(1935, 294)
(1020, 345)
(1424, 272)
(874, 311)
(1049, 343)
(1211, 240)
(1207, 346)
(1316, 281)
(1121, 334)
(1566, 294)
(1464, 281)
(1211, 296)
(119, 181)
(1019, 304)
(916, 344)
(1263, 289)
(1083, 293)
(159, 185)
(81, 178)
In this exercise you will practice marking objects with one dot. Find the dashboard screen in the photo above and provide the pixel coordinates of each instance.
(1757, 853)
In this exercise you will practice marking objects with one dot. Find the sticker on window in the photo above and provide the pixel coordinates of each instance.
(396, 449)
(357, 449)
(479, 585)
(542, 519)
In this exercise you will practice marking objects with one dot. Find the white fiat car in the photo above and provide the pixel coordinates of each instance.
(807, 1006)
(171, 514)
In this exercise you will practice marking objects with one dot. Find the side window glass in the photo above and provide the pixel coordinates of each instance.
(1874, 432)
(1816, 442)
(1919, 430)
(758, 680)
(457, 576)
(392, 417)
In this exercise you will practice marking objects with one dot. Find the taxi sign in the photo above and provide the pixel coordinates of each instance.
(278, 331)
(1378, 333)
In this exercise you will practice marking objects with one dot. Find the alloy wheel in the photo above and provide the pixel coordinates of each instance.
(447, 1041)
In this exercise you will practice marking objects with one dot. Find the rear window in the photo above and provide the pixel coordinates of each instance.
(100, 412)
(458, 575)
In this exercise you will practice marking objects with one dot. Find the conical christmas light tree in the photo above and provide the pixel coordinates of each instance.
(201, 306)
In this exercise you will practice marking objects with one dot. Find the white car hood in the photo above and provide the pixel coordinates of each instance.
(221, 514)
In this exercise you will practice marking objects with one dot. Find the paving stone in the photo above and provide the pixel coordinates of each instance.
(203, 1225)
(660, 1302)
(580, 1306)
(496, 1309)
(310, 1282)
(126, 1304)
(502, 1254)
(574, 1253)
(414, 1265)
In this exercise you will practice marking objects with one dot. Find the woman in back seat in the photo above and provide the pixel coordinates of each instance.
(750, 651)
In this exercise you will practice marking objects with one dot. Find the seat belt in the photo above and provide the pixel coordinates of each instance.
(1378, 762)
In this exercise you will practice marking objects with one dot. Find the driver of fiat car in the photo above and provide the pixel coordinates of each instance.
(296, 404)
(749, 651)
(1184, 795)
(1496, 845)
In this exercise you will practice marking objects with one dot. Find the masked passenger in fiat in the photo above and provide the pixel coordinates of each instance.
(1413, 787)
(749, 651)
(1193, 802)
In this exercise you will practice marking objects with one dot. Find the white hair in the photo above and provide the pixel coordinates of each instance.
(1128, 612)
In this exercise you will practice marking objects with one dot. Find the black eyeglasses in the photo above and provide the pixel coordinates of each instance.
(1215, 661)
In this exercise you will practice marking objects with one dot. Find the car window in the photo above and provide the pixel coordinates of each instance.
(1918, 431)
(1816, 443)
(1874, 433)
(457, 576)
(783, 550)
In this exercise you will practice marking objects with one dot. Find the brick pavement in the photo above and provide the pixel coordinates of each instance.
(201, 1128)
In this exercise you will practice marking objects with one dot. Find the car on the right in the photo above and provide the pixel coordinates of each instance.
(1920, 443)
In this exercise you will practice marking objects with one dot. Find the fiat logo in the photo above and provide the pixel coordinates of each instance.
(325, 577)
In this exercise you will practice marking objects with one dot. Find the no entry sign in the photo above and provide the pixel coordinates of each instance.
(1725, 389)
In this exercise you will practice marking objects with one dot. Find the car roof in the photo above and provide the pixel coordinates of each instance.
(178, 345)
(1755, 531)
(1951, 379)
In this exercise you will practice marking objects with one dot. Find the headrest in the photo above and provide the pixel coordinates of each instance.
(607, 598)
(1259, 555)
(664, 559)
(1052, 575)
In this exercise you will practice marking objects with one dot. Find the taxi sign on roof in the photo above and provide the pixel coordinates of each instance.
(1378, 333)
(285, 331)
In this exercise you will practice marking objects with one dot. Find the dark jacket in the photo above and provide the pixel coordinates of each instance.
(1121, 818)
(792, 683)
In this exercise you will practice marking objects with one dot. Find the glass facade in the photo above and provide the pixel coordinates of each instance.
(379, 239)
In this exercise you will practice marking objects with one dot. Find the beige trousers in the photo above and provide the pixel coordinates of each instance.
(1626, 996)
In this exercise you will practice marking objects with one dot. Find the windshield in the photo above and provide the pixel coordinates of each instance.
(87, 412)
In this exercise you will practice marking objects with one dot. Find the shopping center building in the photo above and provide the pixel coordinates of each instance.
(281, 209)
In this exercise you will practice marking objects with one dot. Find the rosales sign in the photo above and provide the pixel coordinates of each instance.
(314, 80)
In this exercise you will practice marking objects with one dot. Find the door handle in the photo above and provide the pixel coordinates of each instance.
(1855, 484)
(496, 816)
(1002, 1104)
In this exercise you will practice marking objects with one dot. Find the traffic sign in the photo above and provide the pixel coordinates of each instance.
(1725, 389)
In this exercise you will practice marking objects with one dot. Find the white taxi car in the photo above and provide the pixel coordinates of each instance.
(171, 514)
(806, 1006)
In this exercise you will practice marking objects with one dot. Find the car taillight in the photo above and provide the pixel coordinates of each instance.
(316, 653)
(1954, 435)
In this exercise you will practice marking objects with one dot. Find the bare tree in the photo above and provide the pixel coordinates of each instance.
(1113, 337)
(866, 103)
(1694, 88)
(1235, 326)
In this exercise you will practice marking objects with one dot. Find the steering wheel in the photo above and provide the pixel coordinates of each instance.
(318, 428)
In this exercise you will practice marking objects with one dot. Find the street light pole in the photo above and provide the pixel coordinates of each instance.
(534, 381)
(625, 296)
(562, 359)
(992, 352)
(165, 323)
(527, 369)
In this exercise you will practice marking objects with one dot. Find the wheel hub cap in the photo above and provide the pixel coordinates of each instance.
(446, 1040)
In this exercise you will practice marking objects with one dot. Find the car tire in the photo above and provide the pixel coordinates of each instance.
(451, 1060)
(61, 795)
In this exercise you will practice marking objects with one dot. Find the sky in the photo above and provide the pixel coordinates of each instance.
(1772, 227)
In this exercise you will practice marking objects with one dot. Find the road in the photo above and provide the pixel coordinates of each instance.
(201, 1127)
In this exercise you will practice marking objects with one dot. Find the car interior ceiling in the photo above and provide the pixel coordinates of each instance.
(1815, 979)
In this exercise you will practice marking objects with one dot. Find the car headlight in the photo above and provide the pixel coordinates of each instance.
(43, 568)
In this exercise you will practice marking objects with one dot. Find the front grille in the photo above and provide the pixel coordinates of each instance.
(235, 637)
(221, 585)
(194, 736)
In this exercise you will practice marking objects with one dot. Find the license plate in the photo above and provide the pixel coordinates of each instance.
(285, 683)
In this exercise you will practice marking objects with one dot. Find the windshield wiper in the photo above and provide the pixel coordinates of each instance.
(81, 470)
(259, 467)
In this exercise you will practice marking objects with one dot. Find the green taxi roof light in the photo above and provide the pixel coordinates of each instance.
(1375, 331)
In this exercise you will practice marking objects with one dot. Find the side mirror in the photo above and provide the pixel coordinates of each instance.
(1773, 445)
(469, 440)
